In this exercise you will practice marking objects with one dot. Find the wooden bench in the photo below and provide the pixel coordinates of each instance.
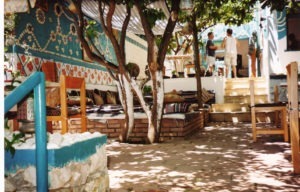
(277, 108)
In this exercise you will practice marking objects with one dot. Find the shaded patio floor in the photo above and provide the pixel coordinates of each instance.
(221, 157)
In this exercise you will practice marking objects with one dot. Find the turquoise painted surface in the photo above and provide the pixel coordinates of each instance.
(281, 24)
(136, 43)
(77, 152)
(51, 35)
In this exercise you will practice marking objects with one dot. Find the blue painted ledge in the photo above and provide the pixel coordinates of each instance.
(77, 152)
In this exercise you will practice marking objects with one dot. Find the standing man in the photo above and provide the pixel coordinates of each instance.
(211, 52)
(255, 54)
(230, 44)
(252, 53)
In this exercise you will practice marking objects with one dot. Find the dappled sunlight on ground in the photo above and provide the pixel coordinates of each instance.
(222, 157)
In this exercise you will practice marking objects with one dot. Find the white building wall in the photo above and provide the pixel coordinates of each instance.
(276, 54)
(285, 57)
(136, 52)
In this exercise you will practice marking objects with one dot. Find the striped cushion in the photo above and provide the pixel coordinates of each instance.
(176, 108)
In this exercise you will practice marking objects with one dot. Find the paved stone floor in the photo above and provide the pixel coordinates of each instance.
(221, 157)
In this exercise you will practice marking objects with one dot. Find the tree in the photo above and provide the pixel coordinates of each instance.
(156, 54)
(155, 60)
(87, 34)
(180, 43)
(280, 5)
(205, 14)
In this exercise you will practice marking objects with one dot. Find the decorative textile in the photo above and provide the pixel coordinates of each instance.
(50, 111)
(75, 101)
(22, 110)
(90, 94)
(172, 97)
(49, 68)
(206, 96)
(98, 99)
(111, 98)
(52, 97)
(176, 108)
(110, 108)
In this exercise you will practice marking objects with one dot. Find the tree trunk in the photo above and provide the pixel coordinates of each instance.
(157, 115)
(197, 62)
(147, 110)
(123, 99)
(130, 110)
(126, 98)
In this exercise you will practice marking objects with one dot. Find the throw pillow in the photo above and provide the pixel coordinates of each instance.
(111, 98)
(52, 97)
(98, 99)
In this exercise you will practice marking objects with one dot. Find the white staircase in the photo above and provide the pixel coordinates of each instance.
(237, 100)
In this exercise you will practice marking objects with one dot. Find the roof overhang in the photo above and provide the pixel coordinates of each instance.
(90, 8)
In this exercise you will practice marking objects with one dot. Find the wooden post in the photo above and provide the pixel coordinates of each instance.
(293, 106)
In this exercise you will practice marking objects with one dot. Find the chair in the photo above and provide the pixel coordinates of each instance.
(276, 108)
(293, 107)
(67, 82)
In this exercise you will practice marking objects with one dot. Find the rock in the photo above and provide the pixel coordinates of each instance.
(9, 187)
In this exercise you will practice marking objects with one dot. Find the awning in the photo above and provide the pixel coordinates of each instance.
(90, 8)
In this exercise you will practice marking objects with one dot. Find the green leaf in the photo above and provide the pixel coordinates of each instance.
(91, 30)
(153, 15)
(6, 123)
(16, 138)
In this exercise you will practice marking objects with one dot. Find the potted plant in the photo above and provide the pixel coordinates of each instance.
(8, 88)
(147, 90)
(174, 74)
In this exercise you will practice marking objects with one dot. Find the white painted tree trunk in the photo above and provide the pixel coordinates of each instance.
(147, 110)
(160, 98)
(130, 110)
(123, 84)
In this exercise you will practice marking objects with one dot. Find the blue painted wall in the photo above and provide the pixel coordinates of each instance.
(77, 152)
(52, 35)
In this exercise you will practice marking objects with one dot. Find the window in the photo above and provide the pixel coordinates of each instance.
(293, 32)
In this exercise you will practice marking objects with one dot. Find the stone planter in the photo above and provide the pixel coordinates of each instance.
(81, 166)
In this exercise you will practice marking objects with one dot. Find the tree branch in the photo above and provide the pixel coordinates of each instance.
(108, 30)
(168, 32)
(124, 28)
(147, 30)
(79, 24)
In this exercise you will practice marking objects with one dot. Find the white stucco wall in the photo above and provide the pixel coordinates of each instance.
(136, 52)
(285, 57)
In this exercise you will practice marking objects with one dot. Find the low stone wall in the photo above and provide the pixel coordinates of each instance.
(79, 167)
(172, 126)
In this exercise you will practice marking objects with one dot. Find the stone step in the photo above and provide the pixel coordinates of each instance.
(237, 99)
(229, 84)
(230, 107)
(245, 79)
(237, 90)
(245, 99)
(244, 91)
(243, 72)
(230, 117)
(240, 117)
